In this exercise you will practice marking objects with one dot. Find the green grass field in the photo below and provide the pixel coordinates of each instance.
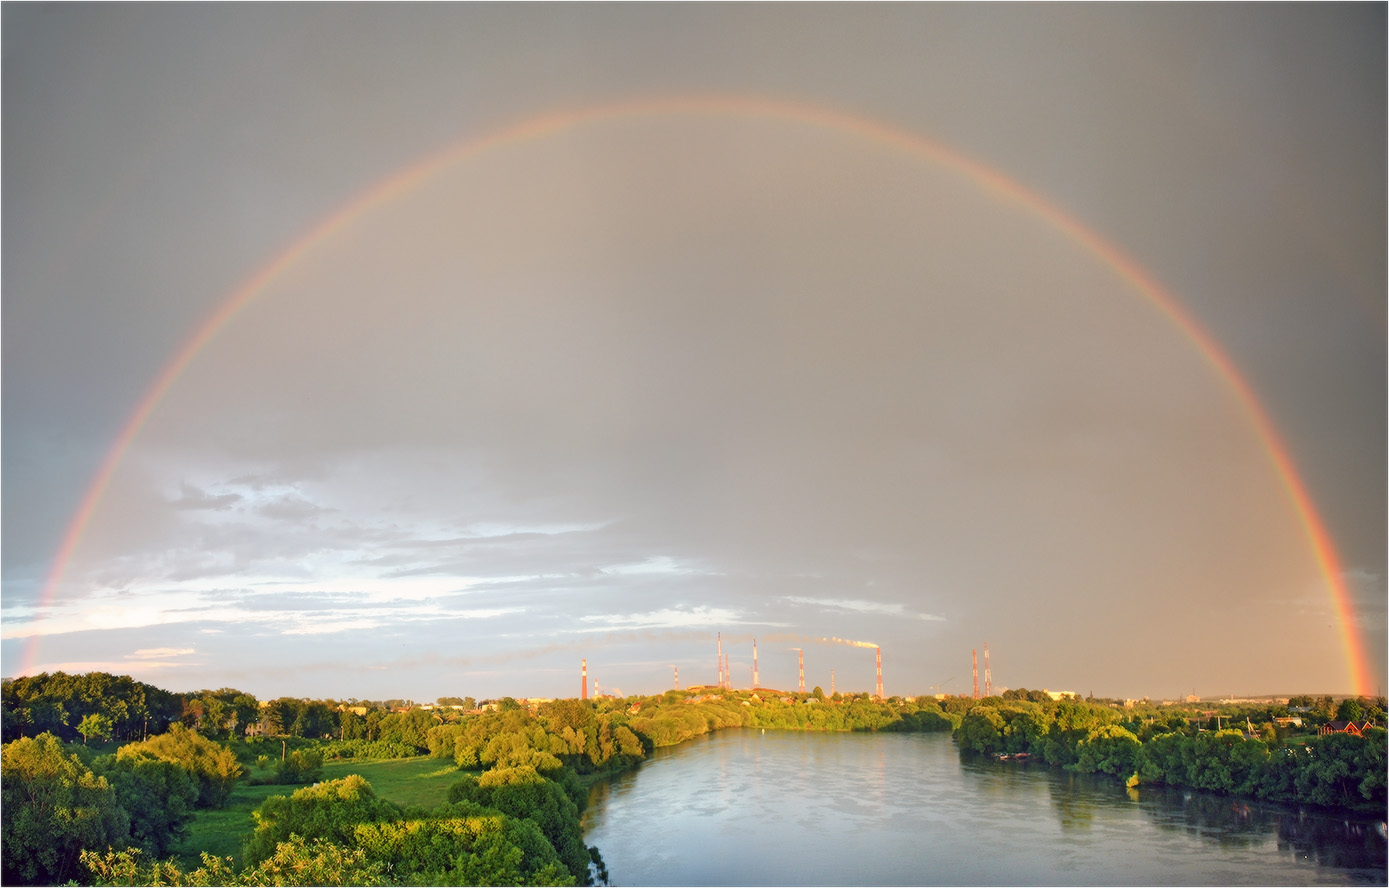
(422, 781)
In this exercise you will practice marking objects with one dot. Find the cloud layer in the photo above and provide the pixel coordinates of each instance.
(609, 392)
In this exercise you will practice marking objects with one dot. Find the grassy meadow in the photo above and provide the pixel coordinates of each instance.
(421, 780)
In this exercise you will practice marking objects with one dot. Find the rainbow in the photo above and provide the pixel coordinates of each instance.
(548, 124)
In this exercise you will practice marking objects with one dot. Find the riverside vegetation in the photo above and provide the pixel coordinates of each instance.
(493, 794)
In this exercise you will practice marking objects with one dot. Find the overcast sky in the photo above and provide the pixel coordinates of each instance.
(608, 390)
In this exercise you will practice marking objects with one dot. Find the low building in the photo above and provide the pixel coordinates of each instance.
(1346, 727)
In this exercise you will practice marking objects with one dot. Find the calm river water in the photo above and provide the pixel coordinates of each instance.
(783, 808)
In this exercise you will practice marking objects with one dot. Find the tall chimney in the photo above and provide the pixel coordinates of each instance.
(800, 666)
(756, 682)
(880, 672)
(720, 637)
(988, 676)
(831, 682)
(583, 692)
(677, 677)
(974, 658)
(727, 676)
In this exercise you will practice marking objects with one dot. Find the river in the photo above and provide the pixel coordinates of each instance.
(742, 807)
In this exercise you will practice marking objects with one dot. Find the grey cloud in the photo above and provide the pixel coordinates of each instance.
(191, 497)
(291, 507)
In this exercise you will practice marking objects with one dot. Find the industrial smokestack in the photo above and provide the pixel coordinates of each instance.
(756, 682)
(800, 668)
(727, 676)
(880, 673)
(831, 682)
(974, 659)
(988, 676)
(720, 638)
(677, 677)
(583, 691)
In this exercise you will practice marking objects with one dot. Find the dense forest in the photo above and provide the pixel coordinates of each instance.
(102, 775)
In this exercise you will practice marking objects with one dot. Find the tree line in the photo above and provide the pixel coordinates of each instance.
(1260, 761)
(512, 817)
(102, 706)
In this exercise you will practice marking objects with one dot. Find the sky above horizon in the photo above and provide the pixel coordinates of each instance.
(737, 359)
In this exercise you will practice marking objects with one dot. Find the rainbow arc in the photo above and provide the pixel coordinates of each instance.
(548, 124)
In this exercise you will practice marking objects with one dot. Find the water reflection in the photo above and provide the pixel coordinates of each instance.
(1324, 838)
(1075, 810)
(743, 808)
(1345, 843)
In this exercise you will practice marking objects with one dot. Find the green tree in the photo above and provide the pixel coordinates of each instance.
(476, 848)
(373, 726)
(1110, 749)
(159, 796)
(94, 725)
(278, 716)
(214, 766)
(246, 711)
(1350, 710)
(330, 811)
(295, 861)
(523, 793)
(300, 766)
(1160, 759)
(1336, 771)
(410, 728)
(352, 726)
(54, 806)
(981, 730)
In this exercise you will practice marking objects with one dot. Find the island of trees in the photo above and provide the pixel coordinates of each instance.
(108, 781)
